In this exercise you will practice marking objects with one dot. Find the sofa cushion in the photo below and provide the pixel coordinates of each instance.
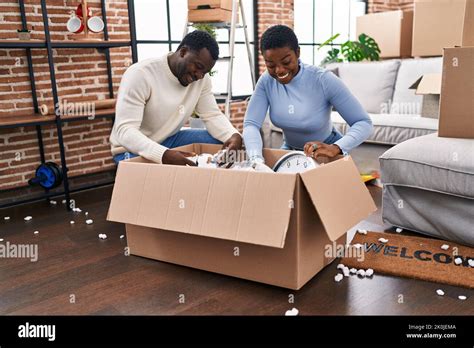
(432, 163)
(371, 82)
(405, 101)
(389, 129)
(392, 129)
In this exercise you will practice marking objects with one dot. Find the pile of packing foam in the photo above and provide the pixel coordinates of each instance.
(220, 160)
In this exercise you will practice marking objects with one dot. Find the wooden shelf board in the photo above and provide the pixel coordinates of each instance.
(27, 119)
(98, 114)
(34, 119)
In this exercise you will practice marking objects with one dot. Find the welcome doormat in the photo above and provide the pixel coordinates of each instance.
(414, 257)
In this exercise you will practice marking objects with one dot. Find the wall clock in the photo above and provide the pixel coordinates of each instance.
(295, 162)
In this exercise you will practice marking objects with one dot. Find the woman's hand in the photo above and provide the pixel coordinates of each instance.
(316, 148)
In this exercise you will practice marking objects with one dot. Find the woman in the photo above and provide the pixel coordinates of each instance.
(300, 98)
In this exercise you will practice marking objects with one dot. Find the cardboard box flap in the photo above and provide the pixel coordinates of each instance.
(339, 196)
(241, 206)
(427, 84)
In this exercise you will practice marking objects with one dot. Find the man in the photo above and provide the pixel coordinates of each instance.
(157, 96)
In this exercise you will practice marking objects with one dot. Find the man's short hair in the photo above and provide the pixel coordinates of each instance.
(197, 40)
(279, 36)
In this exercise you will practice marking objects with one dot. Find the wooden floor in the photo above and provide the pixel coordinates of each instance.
(74, 264)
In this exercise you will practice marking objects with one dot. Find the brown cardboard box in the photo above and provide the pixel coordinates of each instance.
(429, 86)
(456, 109)
(206, 4)
(391, 30)
(468, 29)
(441, 23)
(266, 227)
(209, 16)
(200, 11)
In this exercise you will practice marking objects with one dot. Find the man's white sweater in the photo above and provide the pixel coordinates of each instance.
(152, 105)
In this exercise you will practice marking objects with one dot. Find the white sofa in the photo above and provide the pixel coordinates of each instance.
(383, 90)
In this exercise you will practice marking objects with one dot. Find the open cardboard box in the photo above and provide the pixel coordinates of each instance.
(266, 227)
(429, 86)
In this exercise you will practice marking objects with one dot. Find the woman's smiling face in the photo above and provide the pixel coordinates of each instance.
(282, 63)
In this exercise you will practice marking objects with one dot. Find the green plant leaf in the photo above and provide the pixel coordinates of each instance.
(352, 51)
(369, 47)
(328, 41)
(332, 57)
(366, 48)
(208, 28)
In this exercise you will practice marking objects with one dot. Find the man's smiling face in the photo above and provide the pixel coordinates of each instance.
(193, 65)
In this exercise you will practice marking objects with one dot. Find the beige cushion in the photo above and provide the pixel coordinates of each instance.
(372, 83)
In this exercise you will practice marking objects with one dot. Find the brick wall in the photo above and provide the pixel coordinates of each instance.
(271, 12)
(389, 5)
(80, 73)
(86, 145)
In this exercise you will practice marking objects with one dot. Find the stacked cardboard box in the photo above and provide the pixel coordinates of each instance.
(274, 228)
(441, 23)
(209, 11)
(391, 30)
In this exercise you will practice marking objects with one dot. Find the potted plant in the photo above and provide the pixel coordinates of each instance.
(23, 34)
(352, 51)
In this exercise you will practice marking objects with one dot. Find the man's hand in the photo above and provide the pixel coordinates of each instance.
(233, 143)
(317, 148)
(178, 158)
